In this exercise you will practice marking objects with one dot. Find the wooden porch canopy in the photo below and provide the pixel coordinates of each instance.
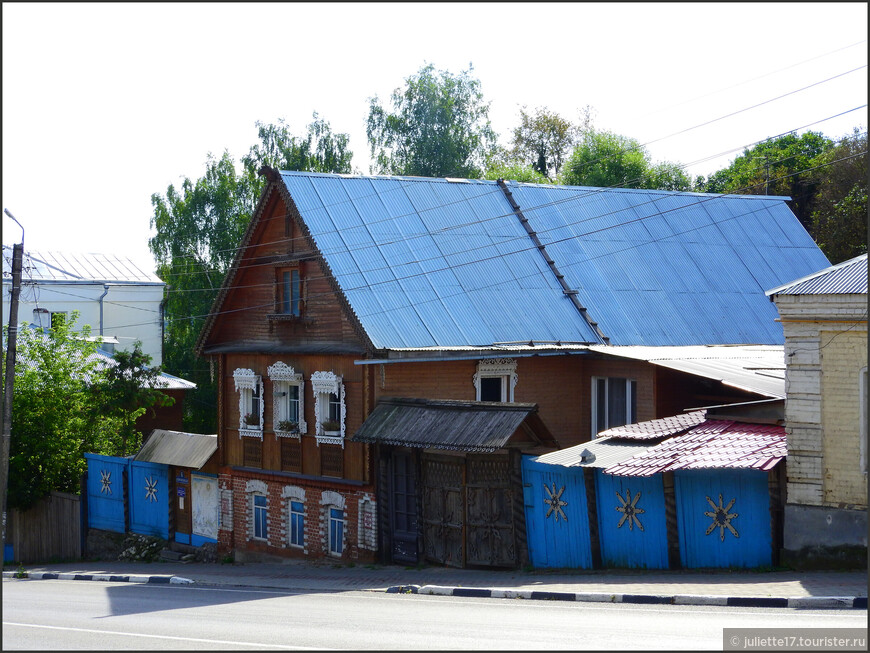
(471, 426)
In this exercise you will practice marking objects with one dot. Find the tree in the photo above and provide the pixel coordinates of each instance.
(129, 389)
(543, 140)
(515, 171)
(778, 166)
(57, 413)
(605, 159)
(199, 229)
(839, 216)
(439, 127)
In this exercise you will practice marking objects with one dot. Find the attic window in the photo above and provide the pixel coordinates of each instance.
(289, 292)
(495, 379)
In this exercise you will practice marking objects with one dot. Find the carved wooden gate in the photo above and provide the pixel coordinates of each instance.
(443, 509)
(490, 524)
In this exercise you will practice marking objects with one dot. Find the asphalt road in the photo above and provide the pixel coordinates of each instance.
(53, 615)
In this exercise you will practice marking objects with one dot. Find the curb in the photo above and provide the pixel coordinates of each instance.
(45, 575)
(805, 602)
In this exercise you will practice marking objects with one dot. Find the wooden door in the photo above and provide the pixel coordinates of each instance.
(182, 505)
(404, 508)
(443, 510)
(490, 524)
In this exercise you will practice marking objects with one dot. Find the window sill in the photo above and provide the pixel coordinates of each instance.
(330, 437)
(288, 317)
(293, 435)
(251, 433)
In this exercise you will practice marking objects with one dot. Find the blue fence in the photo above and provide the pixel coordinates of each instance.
(107, 486)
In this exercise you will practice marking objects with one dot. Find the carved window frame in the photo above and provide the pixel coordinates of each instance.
(283, 376)
(246, 381)
(504, 368)
(324, 384)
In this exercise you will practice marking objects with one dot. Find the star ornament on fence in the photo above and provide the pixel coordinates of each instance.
(555, 502)
(629, 510)
(151, 489)
(721, 518)
(105, 482)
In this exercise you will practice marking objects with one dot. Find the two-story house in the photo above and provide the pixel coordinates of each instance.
(387, 348)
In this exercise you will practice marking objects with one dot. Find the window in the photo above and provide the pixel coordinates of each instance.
(336, 531)
(261, 521)
(329, 408)
(289, 292)
(250, 389)
(288, 408)
(614, 402)
(41, 318)
(297, 523)
(495, 379)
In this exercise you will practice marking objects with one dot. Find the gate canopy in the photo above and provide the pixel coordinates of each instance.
(473, 426)
(177, 448)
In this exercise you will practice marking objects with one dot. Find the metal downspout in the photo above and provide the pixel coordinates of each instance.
(569, 292)
(105, 292)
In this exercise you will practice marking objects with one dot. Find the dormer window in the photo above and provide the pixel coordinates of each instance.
(250, 388)
(495, 379)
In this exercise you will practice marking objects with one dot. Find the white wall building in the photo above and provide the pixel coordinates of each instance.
(117, 298)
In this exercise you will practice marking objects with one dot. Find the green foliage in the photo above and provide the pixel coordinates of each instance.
(128, 391)
(605, 159)
(439, 127)
(516, 171)
(543, 140)
(839, 217)
(199, 229)
(779, 166)
(57, 413)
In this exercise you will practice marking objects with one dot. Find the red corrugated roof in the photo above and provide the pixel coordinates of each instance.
(657, 428)
(712, 444)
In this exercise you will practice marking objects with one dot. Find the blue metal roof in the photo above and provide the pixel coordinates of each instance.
(448, 263)
(846, 278)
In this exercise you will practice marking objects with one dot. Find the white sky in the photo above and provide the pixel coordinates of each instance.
(105, 104)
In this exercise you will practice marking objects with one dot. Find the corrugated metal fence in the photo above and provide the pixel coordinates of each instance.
(50, 530)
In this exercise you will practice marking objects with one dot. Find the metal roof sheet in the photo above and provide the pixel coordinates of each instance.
(69, 267)
(754, 368)
(711, 444)
(604, 453)
(846, 278)
(450, 425)
(656, 429)
(177, 448)
(439, 263)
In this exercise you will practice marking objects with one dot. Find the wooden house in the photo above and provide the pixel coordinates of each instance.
(387, 348)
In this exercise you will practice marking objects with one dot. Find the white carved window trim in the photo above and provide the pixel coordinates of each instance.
(283, 376)
(246, 381)
(288, 494)
(367, 523)
(505, 368)
(322, 385)
(328, 500)
(253, 489)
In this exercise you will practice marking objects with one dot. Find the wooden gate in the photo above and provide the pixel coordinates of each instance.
(106, 493)
(490, 523)
(149, 499)
(403, 505)
(631, 521)
(724, 517)
(557, 517)
(444, 509)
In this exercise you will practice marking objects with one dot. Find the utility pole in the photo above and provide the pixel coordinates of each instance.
(9, 382)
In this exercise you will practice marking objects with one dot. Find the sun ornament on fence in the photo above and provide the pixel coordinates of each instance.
(151, 489)
(629, 510)
(105, 482)
(555, 502)
(721, 518)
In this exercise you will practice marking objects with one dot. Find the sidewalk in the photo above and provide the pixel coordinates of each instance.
(815, 589)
